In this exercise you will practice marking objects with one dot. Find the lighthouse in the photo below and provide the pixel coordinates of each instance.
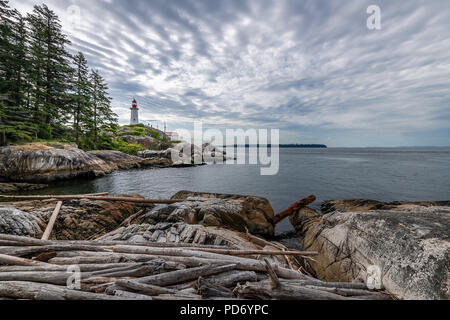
(134, 113)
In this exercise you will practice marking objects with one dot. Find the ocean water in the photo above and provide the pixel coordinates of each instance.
(329, 174)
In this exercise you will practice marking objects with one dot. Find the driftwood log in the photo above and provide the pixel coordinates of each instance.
(88, 197)
(116, 270)
(52, 221)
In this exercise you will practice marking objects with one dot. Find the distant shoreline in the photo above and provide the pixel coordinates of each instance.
(284, 146)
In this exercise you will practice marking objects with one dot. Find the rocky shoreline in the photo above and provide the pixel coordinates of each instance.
(41, 164)
(407, 242)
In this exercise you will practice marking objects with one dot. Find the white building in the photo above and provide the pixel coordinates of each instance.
(134, 113)
(173, 136)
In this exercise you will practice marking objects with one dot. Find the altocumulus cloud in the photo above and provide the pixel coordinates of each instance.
(311, 68)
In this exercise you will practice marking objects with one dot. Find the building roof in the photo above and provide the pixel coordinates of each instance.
(171, 134)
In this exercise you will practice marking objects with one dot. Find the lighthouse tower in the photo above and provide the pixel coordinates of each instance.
(134, 113)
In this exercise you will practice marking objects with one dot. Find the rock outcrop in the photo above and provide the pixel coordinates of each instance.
(409, 242)
(41, 164)
(78, 219)
(82, 219)
(20, 164)
(239, 213)
(20, 187)
(185, 155)
(120, 161)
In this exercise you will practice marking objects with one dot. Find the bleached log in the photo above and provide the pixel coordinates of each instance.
(260, 252)
(181, 276)
(81, 197)
(52, 221)
(26, 241)
(356, 293)
(26, 251)
(263, 291)
(208, 289)
(318, 283)
(135, 271)
(247, 262)
(232, 278)
(87, 260)
(33, 291)
(57, 278)
(177, 297)
(53, 268)
(15, 261)
(144, 288)
(204, 253)
(131, 295)
(243, 264)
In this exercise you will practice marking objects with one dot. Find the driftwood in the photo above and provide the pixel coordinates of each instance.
(52, 221)
(34, 291)
(261, 252)
(241, 263)
(130, 295)
(232, 278)
(293, 208)
(80, 197)
(263, 291)
(115, 270)
(25, 241)
(144, 288)
(52, 267)
(274, 281)
(22, 252)
(208, 289)
(181, 276)
(10, 260)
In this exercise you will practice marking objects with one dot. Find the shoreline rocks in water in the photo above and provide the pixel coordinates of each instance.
(8, 188)
(41, 163)
(410, 242)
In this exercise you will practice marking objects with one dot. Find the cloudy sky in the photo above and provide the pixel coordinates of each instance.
(311, 68)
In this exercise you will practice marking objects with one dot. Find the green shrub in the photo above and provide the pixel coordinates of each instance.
(128, 148)
(140, 130)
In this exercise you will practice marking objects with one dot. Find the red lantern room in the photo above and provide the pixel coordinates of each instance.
(134, 104)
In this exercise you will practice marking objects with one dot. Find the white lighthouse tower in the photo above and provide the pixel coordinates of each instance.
(134, 113)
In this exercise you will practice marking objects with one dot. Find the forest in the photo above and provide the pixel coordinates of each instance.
(47, 93)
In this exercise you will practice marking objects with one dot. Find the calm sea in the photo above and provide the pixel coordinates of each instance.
(378, 174)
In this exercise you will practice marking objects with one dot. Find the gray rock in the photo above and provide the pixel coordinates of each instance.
(10, 188)
(409, 243)
(20, 223)
(38, 163)
(239, 213)
(77, 220)
(46, 165)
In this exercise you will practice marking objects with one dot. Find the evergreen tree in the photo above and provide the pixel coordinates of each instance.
(51, 69)
(82, 112)
(15, 123)
(40, 93)
(103, 118)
